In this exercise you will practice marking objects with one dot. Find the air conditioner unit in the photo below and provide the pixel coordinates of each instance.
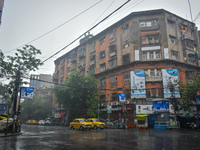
(102, 104)
(127, 102)
(111, 104)
(116, 103)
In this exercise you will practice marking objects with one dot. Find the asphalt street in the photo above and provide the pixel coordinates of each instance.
(35, 137)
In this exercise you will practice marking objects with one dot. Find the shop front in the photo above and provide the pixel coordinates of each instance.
(145, 116)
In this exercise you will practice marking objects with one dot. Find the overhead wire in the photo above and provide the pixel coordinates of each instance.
(56, 27)
(87, 31)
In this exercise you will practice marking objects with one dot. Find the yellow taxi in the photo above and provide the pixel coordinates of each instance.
(3, 116)
(31, 122)
(80, 123)
(96, 123)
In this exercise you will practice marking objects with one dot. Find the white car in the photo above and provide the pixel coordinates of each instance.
(41, 122)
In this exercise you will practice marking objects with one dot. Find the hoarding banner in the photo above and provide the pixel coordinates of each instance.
(27, 92)
(3, 108)
(138, 84)
(161, 106)
(170, 77)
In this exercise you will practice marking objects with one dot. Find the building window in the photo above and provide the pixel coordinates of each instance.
(183, 28)
(113, 50)
(62, 71)
(174, 54)
(112, 63)
(126, 44)
(151, 55)
(102, 98)
(152, 72)
(125, 28)
(112, 36)
(92, 47)
(102, 67)
(102, 54)
(128, 94)
(126, 59)
(172, 39)
(114, 97)
(102, 41)
(170, 23)
(150, 40)
(148, 23)
(126, 77)
(102, 83)
(92, 69)
(113, 79)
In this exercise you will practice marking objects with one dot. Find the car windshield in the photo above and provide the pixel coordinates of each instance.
(96, 121)
(82, 120)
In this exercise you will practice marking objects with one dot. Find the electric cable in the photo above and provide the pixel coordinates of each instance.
(87, 31)
(56, 27)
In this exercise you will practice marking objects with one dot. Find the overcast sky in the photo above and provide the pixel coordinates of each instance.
(25, 20)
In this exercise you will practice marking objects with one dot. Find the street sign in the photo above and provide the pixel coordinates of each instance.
(27, 92)
(121, 97)
(198, 99)
(109, 111)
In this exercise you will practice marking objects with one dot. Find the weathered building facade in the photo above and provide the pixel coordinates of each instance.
(148, 40)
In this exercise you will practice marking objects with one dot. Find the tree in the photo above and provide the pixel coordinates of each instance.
(78, 94)
(18, 67)
(37, 109)
(189, 92)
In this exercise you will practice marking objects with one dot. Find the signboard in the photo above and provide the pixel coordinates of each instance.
(144, 109)
(3, 108)
(109, 111)
(27, 92)
(198, 100)
(121, 97)
(161, 106)
(138, 84)
(170, 77)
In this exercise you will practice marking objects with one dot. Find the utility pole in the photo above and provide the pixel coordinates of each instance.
(15, 97)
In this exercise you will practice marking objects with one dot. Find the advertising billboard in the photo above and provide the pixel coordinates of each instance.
(138, 84)
(161, 106)
(27, 92)
(170, 78)
(3, 108)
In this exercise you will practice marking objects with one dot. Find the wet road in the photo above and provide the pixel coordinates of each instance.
(59, 138)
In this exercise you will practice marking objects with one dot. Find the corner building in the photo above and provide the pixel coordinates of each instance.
(147, 40)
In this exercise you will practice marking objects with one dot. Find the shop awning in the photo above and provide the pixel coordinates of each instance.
(143, 115)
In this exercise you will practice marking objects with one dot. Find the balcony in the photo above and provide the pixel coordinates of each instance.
(153, 78)
(82, 55)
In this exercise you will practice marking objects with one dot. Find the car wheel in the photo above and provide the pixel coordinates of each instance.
(81, 128)
(72, 127)
(95, 127)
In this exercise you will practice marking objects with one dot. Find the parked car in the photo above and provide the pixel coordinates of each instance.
(3, 116)
(96, 123)
(32, 122)
(41, 122)
(80, 123)
(48, 123)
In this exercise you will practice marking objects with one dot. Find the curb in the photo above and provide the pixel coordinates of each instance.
(2, 136)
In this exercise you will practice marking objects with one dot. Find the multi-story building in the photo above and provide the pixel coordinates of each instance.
(41, 80)
(148, 40)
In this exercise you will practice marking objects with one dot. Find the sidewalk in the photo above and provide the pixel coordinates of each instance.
(2, 135)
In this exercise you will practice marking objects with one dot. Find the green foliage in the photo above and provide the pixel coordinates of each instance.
(36, 109)
(189, 92)
(78, 94)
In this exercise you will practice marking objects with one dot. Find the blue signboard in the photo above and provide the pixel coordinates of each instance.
(198, 100)
(27, 92)
(3, 108)
(121, 97)
(160, 106)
